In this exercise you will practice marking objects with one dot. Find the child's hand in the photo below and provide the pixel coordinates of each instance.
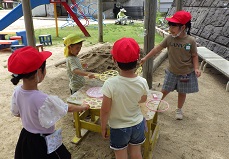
(142, 61)
(104, 134)
(197, 72)
(84, 107)
(91, 75)
(85, 66)
(74, 108)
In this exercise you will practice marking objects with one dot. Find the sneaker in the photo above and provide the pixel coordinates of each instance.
(179, 114)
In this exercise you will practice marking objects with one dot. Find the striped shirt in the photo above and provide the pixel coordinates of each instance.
(76, 81)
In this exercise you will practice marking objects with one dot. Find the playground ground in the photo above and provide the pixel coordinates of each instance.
(37, 22)
(202, 134)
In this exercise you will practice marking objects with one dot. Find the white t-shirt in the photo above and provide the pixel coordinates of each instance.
(125, 94)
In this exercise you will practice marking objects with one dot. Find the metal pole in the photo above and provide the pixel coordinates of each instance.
(179, 5)
(149, 38)
(100, 20)
(26, 7)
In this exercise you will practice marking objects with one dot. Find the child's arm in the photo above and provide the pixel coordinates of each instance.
(84, 73)
(154, 51)
(74, 108)
(118, 15)
(14, 107)
(104, 115)
(143, 99)
(54, 108)
(196, 64)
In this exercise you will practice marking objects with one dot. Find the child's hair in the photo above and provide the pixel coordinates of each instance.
(127, 66)
(16, 78)
(79, 43)
(188, 26)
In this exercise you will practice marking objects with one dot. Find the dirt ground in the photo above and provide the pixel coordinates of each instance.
(202, 134)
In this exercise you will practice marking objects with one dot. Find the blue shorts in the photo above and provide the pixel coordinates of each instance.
(120, 138)
(174, 82)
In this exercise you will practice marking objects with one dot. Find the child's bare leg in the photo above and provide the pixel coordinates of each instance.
(181, 99)
(135, 151)
(121, 154)
(164, 94)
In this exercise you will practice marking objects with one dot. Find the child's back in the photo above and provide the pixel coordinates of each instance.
(121, 96)
(38, 111)
(125, 93)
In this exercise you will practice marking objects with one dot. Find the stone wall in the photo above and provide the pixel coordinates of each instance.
(210, 23)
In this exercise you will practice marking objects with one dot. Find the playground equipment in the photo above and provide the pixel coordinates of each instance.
(72, 14)
(82, 12)
(20, 35)
(45, 39)
(17, 12)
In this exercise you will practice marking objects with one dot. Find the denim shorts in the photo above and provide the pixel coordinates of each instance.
(120, 138)
(173, 82)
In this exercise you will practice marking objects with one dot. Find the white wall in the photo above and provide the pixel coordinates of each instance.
(39, 11)
(164, 5)
(134, 3)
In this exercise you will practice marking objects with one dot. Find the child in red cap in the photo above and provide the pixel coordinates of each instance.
(183, 69)
(38, 111)
(121, 96)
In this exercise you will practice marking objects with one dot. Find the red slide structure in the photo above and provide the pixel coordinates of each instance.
(74, 4)
(74, 17)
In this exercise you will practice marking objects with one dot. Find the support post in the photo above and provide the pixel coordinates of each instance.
(179, 5)
(26, 7)
(56, 20)
(149, 38)
(100, 20)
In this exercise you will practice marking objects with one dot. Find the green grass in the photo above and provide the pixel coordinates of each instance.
(111, 33)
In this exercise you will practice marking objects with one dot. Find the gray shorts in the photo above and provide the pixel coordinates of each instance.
(174, 82)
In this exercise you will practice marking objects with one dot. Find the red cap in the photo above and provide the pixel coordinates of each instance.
(181, 17)
(125, 50)
(26, 60)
